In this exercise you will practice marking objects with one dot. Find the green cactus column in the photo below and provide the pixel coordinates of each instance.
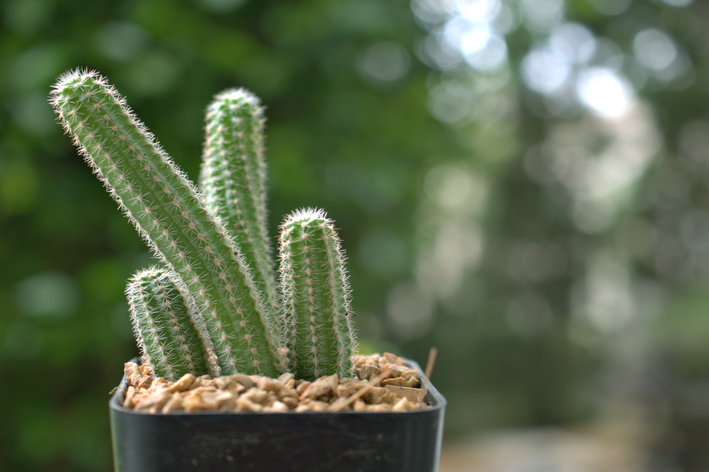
(172, 218)
(233, 180)
(172, 339)
(316, 296)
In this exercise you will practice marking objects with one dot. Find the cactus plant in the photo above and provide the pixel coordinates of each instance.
(170, 214)
(233, 179)
(173, 341)
(316, 296)
(216, 255)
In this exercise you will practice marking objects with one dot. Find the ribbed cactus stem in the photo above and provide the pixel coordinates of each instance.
(233, 180)
(170, 331)
(316, 296)
(171, 216)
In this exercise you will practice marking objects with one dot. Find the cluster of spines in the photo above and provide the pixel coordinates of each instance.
(171, 216)
(316, 296)
(173, 342)
(233, 179)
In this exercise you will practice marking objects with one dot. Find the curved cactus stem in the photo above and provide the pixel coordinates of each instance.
(316, 296)
(171, 216)
(170, 331)
(233, 179)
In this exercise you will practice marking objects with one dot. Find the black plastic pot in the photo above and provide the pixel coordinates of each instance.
(284, 442)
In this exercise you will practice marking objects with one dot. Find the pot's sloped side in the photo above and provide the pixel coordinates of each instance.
(287, 442)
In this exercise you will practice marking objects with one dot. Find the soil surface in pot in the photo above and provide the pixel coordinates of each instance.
(382, 383)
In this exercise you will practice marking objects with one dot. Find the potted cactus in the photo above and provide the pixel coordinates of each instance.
(212, 316)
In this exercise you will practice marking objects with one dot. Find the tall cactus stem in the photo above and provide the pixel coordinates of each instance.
(171, 216)
(171, 333)
(233, 179)
(316, 296)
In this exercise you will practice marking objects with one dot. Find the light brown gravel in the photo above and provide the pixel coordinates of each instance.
(385, 381)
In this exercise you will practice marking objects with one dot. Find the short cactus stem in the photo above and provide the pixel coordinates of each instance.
(171, 216)
(316, 296)
(233, 180)
(172, 338)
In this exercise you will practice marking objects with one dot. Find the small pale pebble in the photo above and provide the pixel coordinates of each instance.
(380, 407)
(285, 379)
(132, 372)
(353, 388)
(225, 401)
(193, 402)
(245, 404)
(356, 382)
(173, 404)
(324, 386)
(223, 383)
(319, 406)
(228, 385)
(291, 402)
(182, 384)
(368, 372)
(270, 385)
(128, 401)
(242, 379)
(138, 397)
(402, 405)
(271, 398)
(203, 381)
(397, 370)
(156, 401)
(195, 384)
(288, 392)
(413, 382)
(300, 388)
(278, 407)
(410, 374)
(359, 405)
(158, 384)
(391, 358)
(144, 382)
(413, 394)
(255, 395)
(397, 382)
(377, 395)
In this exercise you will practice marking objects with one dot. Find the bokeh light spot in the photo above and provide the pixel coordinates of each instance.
(121, 41)
(49, 294)
(545, 71)
(604, 92)
(386, 61)
(654, 49)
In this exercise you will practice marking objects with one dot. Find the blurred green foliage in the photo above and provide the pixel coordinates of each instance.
(546, 296)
